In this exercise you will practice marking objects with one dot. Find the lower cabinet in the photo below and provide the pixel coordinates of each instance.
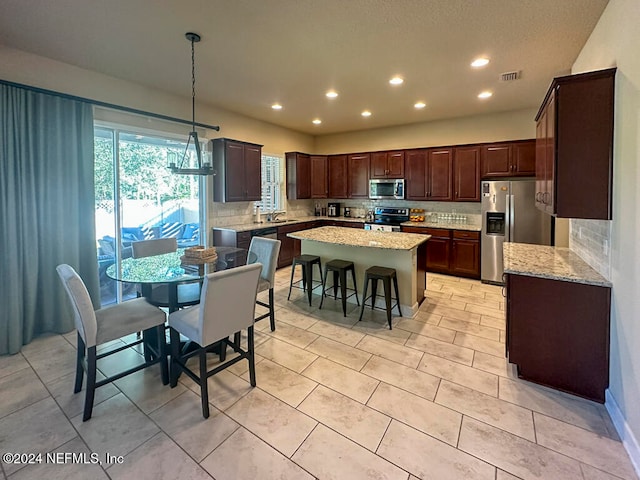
(558, 334)
(452, 252)
(290, 247)
(223, 237)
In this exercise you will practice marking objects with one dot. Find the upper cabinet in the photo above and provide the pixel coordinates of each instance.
(574, 146)
(466, 174)
(238, 176)
(319, 181)
(509, 159)
(429, 174)
(337, 173)
(358, 171)
(298, 175)
(387, 164)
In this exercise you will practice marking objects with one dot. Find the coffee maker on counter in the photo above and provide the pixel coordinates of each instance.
(333, 209)
(347, 212)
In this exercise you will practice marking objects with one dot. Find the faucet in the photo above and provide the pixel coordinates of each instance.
(273, 216)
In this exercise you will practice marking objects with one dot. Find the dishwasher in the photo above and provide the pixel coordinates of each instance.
(269, 232)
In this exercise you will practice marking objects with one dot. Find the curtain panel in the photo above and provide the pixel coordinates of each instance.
(46, 211)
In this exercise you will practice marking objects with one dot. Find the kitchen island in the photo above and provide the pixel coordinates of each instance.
(406, 252)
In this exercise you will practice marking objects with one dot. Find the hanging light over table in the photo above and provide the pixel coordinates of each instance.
(204, 167)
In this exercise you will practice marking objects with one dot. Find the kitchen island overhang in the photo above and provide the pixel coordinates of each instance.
(405, 252)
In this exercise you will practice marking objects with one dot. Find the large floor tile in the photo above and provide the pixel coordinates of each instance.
(446, 302)
(482, 310)
(182, 420)
(428, 458)
(355, 421)
(330, 456)
(587, 447)
(492, 364)
(339, 352)
(480, 344)
(381, 330)
(295, 319)
(65, 470)
(480, 300)
(146, 390)
(275, 422)
(43, 343)
(485, 408)
(470, 328)
(455, 313)
(282, 383)
(118, 362)
(245, 457)
(160, 458)
(337, 332)
(37, 428)
(19, 390)
(591, 473)
(285, 354)
(117, 427)
(409, 379)
(342, 379)
(53, 362)
(560, 406)
(438, 421)
(514, 454)
(461, 374)
(10, 364)
(391, 351)
(426, 329)
(423, 315)
(293, 335)
(441, 349)
(502, 475)
(224, 387)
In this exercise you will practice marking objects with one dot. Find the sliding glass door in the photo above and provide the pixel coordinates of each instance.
(138, 198)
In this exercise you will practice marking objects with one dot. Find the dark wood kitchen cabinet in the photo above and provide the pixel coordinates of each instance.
(574, 149)
(429, 174)
(509, 159)
(387, 164)
(358, 175)
(466, 174)
(238, 167)
(337, 176)
(223, 237)
(290, 247)
(465, 253)
(298, 175)
(319, 180)
(558, 334)
(416, 174)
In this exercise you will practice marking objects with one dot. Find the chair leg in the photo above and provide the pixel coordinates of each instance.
(204, 386)
(162, 347)
(293, 270)
(324, 286)
(175, 369)
(335, 284)
(395, 287)
(355, 285)
(252, 363)
(91, 383)
(79, 364)
(387, 299)
(374, 291)
(364, 295)
(272, 313)
(222, 345)
(343, 291)
(308, 276)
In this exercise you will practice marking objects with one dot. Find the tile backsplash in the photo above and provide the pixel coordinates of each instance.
(591, 240)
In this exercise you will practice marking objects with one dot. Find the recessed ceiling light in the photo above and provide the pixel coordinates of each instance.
(316, 121)
(331, 94)
(276, 106)
(396, 81)
(366, 113)
(420, 105)
(480, 62)
(484, 94)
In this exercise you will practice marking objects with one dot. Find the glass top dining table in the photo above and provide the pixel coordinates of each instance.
(174, 268)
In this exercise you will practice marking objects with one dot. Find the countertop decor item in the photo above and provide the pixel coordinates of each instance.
(203, 166)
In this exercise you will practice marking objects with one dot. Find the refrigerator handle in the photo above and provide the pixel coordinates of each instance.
(511, 207)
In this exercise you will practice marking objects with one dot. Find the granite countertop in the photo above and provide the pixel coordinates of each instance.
(449, 226)
(362, 238)
(245, 227)
(555, 263)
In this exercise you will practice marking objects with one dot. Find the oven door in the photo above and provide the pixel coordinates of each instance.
(381, 228)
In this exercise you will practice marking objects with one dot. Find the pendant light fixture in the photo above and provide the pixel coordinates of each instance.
(204, 167)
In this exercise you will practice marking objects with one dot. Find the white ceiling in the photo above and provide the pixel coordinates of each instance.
(257, 52)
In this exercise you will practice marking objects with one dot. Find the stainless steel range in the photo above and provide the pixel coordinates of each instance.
(388, 219)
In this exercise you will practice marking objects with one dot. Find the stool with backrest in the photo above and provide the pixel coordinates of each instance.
(227, 306)
(387, 275)
(340, 269)
(188, 293)
(266, 250)
(306, 262)
(107, 324)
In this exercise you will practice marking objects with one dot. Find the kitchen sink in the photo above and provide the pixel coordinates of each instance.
(281, 220)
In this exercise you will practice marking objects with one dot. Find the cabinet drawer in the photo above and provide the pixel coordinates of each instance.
(438, 232)
(244, 236)
(470, 235)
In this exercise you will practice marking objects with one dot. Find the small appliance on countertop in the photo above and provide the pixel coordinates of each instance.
(333, 209)
(347, 212)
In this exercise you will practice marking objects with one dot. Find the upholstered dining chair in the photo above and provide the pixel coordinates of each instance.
(266, 251)
(188, 293)
(107, 324)
(227, 306)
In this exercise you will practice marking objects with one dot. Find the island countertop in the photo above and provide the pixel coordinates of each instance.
(362, 238)
(555, 263)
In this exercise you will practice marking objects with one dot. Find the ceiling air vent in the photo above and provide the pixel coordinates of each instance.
(510, 76)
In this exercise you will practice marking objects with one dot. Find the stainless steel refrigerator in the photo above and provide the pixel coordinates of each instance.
(509, 214)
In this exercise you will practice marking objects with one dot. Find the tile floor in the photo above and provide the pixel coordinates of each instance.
(336, 399)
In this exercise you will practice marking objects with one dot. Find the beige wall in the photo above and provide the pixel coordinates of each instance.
(615, 41)
(514, 125)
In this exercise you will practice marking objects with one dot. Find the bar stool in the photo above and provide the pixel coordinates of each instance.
(307, 262)
(340, 269)
(386, 275)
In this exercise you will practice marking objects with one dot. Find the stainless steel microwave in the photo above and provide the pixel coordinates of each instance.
(392, 188)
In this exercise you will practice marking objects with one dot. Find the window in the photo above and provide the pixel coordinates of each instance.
(272, 175)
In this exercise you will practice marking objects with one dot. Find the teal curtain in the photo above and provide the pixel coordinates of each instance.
(46, 211)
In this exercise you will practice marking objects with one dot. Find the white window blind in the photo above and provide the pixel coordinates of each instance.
(272, 174)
